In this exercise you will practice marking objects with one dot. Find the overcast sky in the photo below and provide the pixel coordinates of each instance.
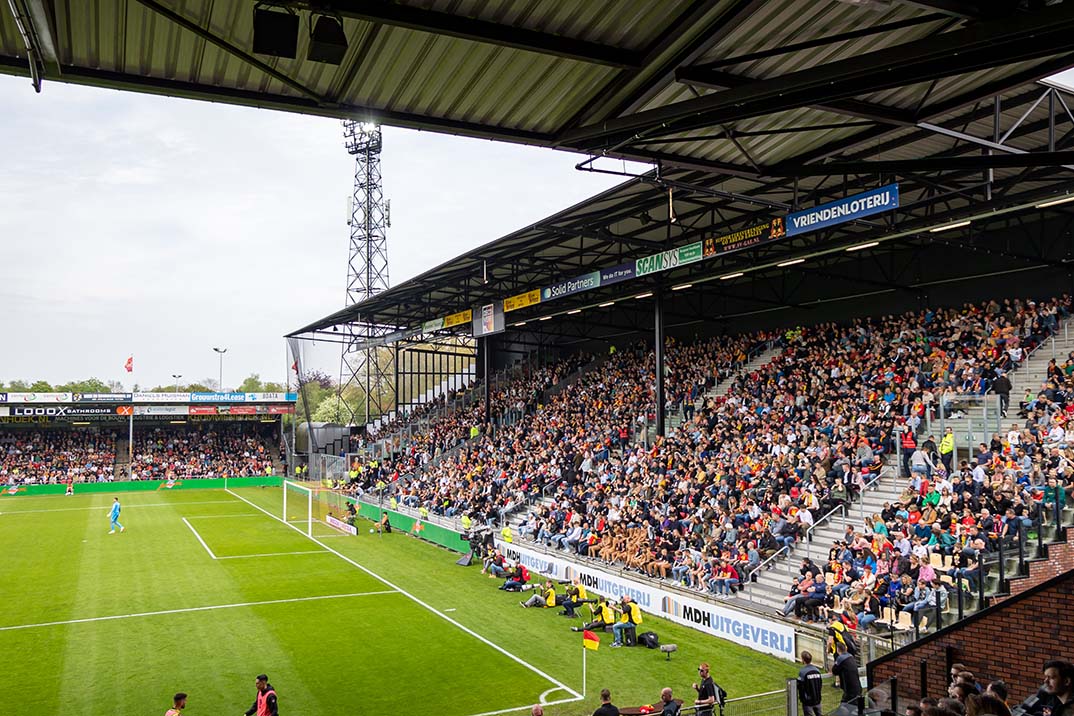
(159, 227)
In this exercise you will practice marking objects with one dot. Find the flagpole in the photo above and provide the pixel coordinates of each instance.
(584, 650)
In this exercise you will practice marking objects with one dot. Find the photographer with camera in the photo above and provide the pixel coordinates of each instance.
(603, 616)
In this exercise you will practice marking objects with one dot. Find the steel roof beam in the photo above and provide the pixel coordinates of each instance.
(938, 164)
(466, 28)
(781, 50)
(716, 79)
(982, 46)
(611, 101)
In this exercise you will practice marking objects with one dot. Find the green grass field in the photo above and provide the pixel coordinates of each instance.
(204, 590)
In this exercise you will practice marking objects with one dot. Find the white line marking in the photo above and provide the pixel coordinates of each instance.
(187, 523)
(527, 707)
(405, 593)
(273, 554)
(544, 696)
(127, 505)
(450, 610)
(211, 517)
(193, 609)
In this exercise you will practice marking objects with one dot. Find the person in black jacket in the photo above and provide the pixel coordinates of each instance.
(846, 668)
(1001, 386)
(809, 686)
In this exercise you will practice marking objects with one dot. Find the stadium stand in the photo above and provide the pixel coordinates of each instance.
(50, 456)
(219, 451)
(756, 462)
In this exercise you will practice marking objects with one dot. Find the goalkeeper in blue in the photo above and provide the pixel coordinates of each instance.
(113, 515)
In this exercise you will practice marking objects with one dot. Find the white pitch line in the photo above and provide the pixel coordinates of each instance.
(527, 707)
(212, 517)
(407, 594)
(187, 523)
(114, 617)
(128, 505)
(273, 554)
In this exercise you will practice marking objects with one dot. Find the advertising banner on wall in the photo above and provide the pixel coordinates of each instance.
(457, 319)
(841, 211)
(101, 397)
(615, 274)
(64, 411)
(489, 320)
(218, 397)
(4, 410)
(38, 397)
(754, 632)
(271, 397)
(745, 239)
(522, 300)
(672, 258)
(585, 282)
(161, 397)
(203, 410)
(172, 410)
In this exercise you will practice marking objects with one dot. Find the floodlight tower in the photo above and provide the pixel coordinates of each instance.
(367, 274)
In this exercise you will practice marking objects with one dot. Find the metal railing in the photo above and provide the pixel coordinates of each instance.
(748, 583)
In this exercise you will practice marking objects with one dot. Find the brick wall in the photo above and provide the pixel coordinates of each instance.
(1009, 641)
(1060, 560)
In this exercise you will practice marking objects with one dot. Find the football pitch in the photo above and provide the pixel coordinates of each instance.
(207, 588)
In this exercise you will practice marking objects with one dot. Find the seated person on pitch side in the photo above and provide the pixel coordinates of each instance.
(384, 525)
(545, 598)
(576, 596)
(603, 616)
(517, 576)
(631, 617)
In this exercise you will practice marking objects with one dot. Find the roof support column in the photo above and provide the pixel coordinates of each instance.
(486, 369)
(658, 343)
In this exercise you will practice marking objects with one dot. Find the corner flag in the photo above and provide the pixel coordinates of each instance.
(590, 640)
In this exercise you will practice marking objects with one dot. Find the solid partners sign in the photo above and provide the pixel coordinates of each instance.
(841, 211)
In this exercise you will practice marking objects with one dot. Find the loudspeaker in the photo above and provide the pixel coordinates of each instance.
(275, 33)
(328, 42)
(466, 560)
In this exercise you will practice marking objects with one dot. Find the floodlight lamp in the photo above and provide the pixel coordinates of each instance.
(275, 33)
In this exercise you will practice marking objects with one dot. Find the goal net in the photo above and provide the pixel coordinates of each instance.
(298, 506)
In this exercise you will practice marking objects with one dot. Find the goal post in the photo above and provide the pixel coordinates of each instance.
(298, 505)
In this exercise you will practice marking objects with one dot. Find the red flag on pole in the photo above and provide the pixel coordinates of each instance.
(294, 366)
(129, 365)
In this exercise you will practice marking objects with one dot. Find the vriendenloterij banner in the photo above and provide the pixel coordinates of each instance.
(841, 211)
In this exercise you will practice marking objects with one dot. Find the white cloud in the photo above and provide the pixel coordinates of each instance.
(162, 227)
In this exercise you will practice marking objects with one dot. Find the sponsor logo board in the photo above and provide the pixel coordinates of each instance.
(101, 397)
(218, 397)
(615, 274)
(457, 319)
(585, 282)
(203, 410)
(161, 397)
(867, 203)
(341, 525)
(529, 298)
(754, 632)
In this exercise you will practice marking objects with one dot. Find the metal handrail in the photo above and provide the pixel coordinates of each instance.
(749, 576)
(818, 523)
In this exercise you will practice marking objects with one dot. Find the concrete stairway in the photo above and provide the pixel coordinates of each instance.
(721, 388)
(979, 418)
(772, 584)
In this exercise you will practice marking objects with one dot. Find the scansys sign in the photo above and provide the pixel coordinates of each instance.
(854, 207)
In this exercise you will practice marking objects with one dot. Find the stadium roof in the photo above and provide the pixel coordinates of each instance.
(748, 107)
(751, 87)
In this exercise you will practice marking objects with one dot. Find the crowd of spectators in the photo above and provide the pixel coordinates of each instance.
(230, 450)
(747, 474)
(944, 531)
(30, 457)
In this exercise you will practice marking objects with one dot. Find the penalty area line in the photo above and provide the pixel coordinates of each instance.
(114, 617)
(187, 523)
(410, 596)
